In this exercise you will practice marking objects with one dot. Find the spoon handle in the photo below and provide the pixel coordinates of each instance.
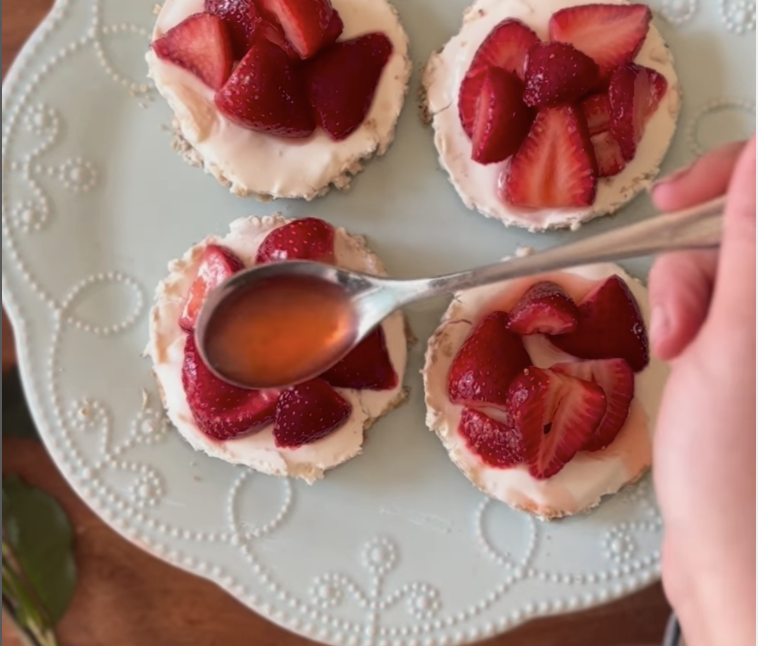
(698, 227)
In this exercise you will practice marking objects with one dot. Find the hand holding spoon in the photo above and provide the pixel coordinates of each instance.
(276, 325)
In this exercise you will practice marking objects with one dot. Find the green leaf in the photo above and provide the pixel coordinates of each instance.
(38, 531)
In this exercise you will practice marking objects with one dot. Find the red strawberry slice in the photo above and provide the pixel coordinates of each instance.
(367, 367)
(334, 30)
(502, 118)
(555, 166)
(201, 45)
(265, 93)
(486, 363)
(498, 444)
(610, 34)
(273, 32)
(616, 379)
(610, 327)
(505, 47)
(308, 412)
(216, 265)
(220, 410)
(608, 155)
(633, 94)
(240, 18)
(596, 110)
(342, 81)
(545, 308)
(557, 73)
(304, 239)
(556, 415)
(305, 22)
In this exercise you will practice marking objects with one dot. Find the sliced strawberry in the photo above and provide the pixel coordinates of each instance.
(610, 327)
(216, 265)
(610, 34)
(557, 73)
(555, 166)
(633, 94)
(367, 367)
(498, 444)
(556, 415)
(305, 22)
(342, 81)
(240, 18)
(545, 308)
(502, 118)
(265, 93)
(272, 31)
(616, 379)
(608, 155)
(505, 47)
(201, 45)
(596, 110)
(303, 239)
(334, 30)
(308, 412)
(486, 363)
(220, 410)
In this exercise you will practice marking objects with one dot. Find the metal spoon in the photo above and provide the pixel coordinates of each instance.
(373, 298)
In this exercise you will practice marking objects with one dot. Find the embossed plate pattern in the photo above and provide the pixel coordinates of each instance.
(394, 548)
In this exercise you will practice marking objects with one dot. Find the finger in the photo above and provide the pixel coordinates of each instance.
(680, 285)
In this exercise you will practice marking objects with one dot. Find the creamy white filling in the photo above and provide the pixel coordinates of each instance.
(476, 183)
(589, 476)
(166, 349)
(265, 165)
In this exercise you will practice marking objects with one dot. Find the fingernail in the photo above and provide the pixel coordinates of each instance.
(672, 177)
(659, 325)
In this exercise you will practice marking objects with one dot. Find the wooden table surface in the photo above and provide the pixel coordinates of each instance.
(126, 597)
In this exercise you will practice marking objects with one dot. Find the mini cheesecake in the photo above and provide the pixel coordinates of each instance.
(271, 118)
(548, 114)
(488, 356)
(270, 431)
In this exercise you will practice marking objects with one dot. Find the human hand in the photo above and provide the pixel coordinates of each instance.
(704, 466)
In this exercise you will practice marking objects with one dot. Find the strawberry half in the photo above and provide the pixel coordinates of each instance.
(608, 155)
(633, 95)
(305, 22)
(505, 47)
(502, 119)
(334, 30)
(498, 444)
(597, 112)
(216, 265)
(486, 363)
(367, 367)
(545, 308)
(556, 415)
(616, 379)
(308, 412)
(610, 327)
(240, 18)
(304, 239)
(201, 45)
(220, 410)
(610, 34)
(556, 74)
(272, 31)
(342, 81)
(555, 166)
(265, 93)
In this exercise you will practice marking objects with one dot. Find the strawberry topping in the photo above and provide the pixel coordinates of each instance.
(608, 155)
(502, 119)
(265, 93)
(272, 31)
(486, 363)
(368, 366)
(306, 23)
(596, 110)
(304, 239)
(216, 265)
(308, 412)
(334, 30)
(610, 326)
(240, 18)
(498, 444)
(616, 379)
(557, 74)
(220, 410)
(545, 308)
(201, 45)
(342, 81)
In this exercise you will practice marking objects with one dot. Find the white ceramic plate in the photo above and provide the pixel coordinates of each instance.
(393, 548)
